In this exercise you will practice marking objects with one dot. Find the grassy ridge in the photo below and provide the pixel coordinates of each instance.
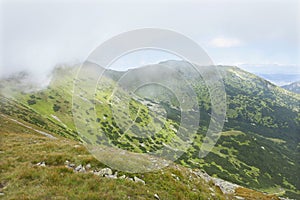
(261, 118)
(22, 148)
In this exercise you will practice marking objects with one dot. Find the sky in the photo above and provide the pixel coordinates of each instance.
(257, 35)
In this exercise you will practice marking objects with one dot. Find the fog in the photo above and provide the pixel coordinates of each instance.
(37, 36)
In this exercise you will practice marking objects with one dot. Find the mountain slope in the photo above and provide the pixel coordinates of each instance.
(21, 177)
(267, 120)
(261, 118)
(293, 87)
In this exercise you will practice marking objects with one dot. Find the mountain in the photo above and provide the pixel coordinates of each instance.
(39, 164)
(258, 147)
(293, 87)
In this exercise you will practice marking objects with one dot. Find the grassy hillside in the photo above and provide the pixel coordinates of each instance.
(21, 178)
(259, 146)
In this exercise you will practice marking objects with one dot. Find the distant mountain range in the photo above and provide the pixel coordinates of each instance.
(275, 73)
(293, 87)
(280, 79)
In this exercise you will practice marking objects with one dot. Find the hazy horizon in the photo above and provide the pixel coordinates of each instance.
(261, 37)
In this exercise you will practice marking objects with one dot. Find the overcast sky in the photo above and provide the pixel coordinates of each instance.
(37, 35)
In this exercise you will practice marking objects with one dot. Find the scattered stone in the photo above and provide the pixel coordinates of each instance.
(156, 196)
(105, 171)
(82, 170)
(41, 164)
(122, 177)
(78, 168)
(225, 186)
(111, 176)
(97, 173)
(69, 165)
(138, 180)
(116, 174)
(239, 198)
(88, 166)
(72, 165)
(176, 177)
(1, 194)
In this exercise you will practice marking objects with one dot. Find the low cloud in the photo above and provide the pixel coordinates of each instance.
(222, 42)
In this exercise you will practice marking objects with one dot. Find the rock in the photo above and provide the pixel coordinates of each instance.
(41, 164)
(239, 198)
(138, 180)
(88, 166)
(78, 168)
(72, 165)
(69, 165)
(105, 171)
(130, 179)
(116, 174)
(97, 173)
(82, 170)
(122, 177)
(156, 196)
(176, 177)
(225, 186)
(1, 194)
(111, 176)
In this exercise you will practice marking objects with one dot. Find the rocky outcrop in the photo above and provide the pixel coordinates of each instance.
(105, 172)
(225, 186)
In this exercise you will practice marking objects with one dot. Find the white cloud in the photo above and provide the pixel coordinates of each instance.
(223, 42)
(32, 38)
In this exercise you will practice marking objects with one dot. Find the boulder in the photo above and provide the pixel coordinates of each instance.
(72, 165)
(97, 173)
(122, 177)
(111, 176)
(105, 171)
(138, 180)
(41, 164)
(82, 170)
(88, 166)
(78, 168)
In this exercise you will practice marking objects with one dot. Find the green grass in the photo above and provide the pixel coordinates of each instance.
(21, 149)
(259, 115)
